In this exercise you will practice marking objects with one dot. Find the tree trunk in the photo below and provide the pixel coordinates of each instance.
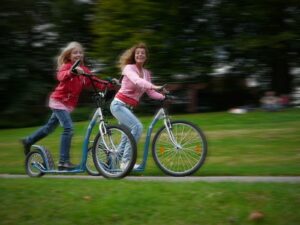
(281, 78)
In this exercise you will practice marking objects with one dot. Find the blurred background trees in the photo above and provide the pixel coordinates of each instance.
(221, 43)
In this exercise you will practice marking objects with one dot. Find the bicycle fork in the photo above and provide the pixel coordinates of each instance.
(168, 126)
(103, 133)
(162, 114)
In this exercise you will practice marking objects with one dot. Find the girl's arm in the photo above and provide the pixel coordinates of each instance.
(99, 84)
(151, 92)
(64, 72)
(134, 78)
(102, 84)
(155, 95)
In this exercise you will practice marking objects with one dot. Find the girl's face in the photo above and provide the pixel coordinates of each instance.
(76, 54)
(140, 56)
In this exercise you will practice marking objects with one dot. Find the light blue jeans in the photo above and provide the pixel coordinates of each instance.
(126, 117)
(63, 118)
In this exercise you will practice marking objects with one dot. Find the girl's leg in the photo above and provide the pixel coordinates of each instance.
(127, 118)
(40, 133)
(66, 122)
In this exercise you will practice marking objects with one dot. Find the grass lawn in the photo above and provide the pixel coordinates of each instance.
(71, 201)
(256, 143)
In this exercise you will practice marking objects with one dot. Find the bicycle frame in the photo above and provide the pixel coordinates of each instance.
(161, 114)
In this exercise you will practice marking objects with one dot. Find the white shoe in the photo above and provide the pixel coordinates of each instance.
(136, 166)
(123, 165)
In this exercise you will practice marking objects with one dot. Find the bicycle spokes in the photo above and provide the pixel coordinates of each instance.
(181, 150)
(111, 148)
(162, 150)
(198, 149)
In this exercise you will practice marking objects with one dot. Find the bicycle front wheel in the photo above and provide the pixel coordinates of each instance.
(109, 150)
(182, 151)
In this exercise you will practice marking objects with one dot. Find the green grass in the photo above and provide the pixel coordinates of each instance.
(56, 201)
(256, 143)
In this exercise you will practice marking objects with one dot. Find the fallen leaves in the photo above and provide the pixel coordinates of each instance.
(256, 215)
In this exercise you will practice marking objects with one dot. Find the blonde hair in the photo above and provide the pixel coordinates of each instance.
(65, 54)
(128, 56)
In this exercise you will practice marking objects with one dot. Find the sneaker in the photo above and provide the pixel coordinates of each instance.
(26, 146)
(123, 165)
(136, 166)
(66, 165)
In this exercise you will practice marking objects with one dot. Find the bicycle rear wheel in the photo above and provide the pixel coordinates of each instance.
(108, 152)
(185, 158)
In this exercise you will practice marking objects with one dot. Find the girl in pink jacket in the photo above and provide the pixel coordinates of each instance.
(136, 81)
(63, 100)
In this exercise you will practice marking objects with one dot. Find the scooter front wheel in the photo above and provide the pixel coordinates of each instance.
(115, 152)
(181, 151)
(34, 160)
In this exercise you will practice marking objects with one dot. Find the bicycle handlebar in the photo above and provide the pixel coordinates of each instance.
(167, 94)
(73, 68)
(170, 97)
(110, 81)
(117, 83)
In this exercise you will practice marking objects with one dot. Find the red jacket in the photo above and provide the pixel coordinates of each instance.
(70, 85)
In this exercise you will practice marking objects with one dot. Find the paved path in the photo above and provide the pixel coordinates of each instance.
(246, 179)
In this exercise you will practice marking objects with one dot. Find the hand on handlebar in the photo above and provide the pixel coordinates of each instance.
(170, 97)
(115, 81)
(165, 91)
(161, 89)
(79, 70)
(76, 69)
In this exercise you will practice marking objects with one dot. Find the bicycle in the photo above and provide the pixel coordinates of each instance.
(39, 160)
(179, 148)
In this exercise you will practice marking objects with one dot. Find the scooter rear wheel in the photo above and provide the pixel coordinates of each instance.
(90, 166)
(33, 159)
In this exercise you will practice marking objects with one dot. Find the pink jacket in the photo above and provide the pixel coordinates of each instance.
(70, 85)
(133, 86)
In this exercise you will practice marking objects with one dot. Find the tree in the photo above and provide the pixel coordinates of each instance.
(184, 37)
(264, 32)
(174, 31)
(32, 33)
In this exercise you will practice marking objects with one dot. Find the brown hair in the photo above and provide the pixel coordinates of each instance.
(65, 53)
(128, 56)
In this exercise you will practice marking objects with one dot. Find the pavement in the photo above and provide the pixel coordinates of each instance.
(243, 179)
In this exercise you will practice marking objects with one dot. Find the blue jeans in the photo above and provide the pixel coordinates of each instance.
(63, 118)
(271, 107)
(126, 117)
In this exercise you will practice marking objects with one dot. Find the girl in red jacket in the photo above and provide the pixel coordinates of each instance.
(63, 100)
